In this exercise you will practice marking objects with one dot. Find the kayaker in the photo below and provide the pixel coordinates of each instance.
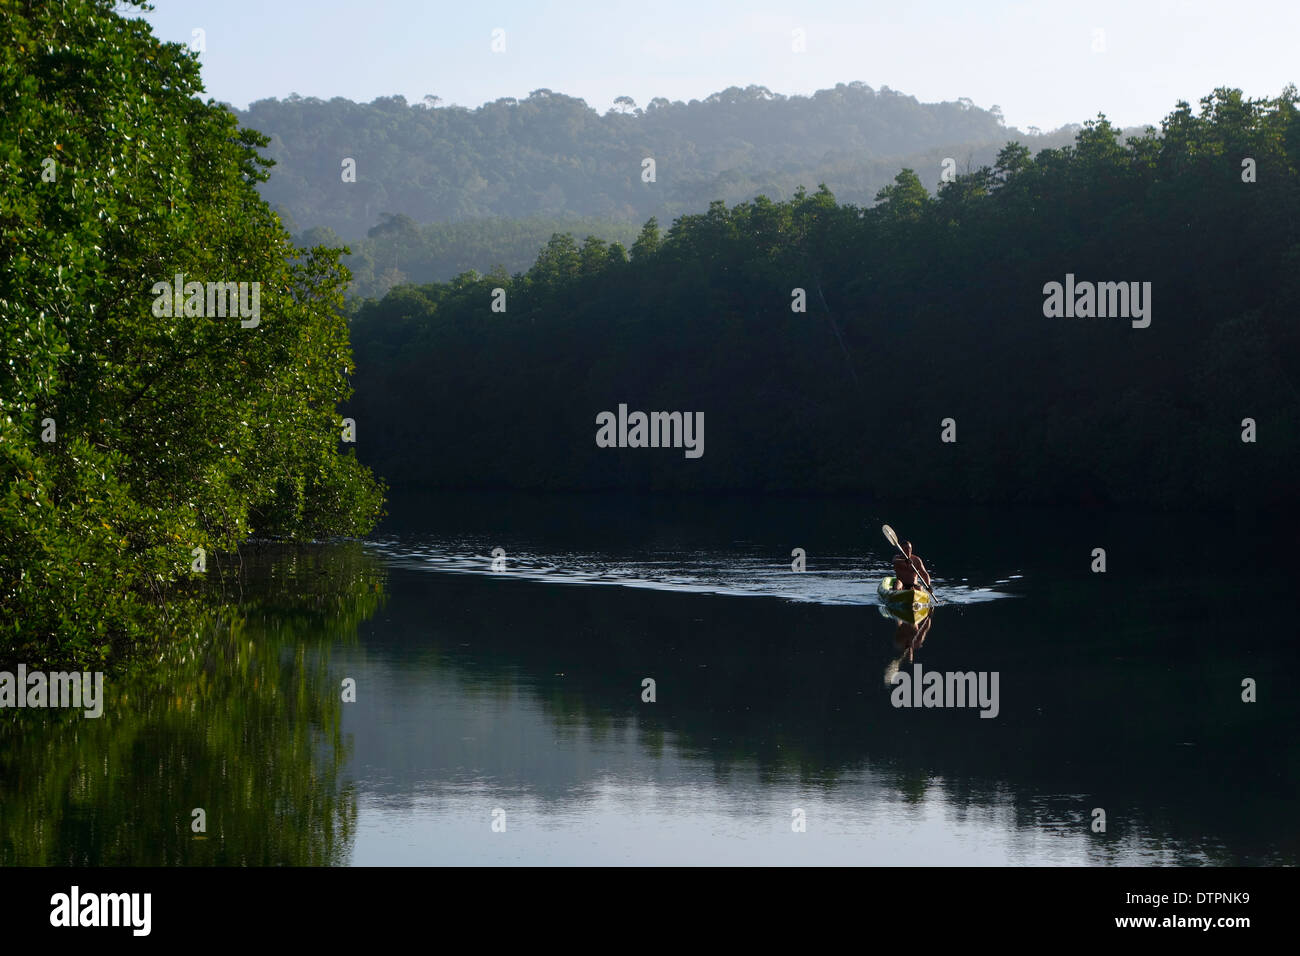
(908, 569)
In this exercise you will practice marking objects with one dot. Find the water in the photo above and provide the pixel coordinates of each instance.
(515, 696)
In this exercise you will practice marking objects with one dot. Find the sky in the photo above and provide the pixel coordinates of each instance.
(1045, 63)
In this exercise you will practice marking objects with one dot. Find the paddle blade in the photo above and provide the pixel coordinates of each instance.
(889, 535)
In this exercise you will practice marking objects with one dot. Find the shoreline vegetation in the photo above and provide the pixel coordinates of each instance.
(133, 445)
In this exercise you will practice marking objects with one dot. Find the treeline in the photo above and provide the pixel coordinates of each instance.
(919, 309)
(552, 155)
(146, 428)
(397, 250)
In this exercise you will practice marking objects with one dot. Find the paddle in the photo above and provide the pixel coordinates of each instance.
(893, 539)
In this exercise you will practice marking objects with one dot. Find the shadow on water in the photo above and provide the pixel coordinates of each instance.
(240, 718)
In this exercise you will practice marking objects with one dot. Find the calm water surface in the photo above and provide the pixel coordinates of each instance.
(516, 696)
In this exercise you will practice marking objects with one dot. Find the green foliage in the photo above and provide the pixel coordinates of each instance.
(648, 241)
(905, 199)
(919, 308)
(171, 432)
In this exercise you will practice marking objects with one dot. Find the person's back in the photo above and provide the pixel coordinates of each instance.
(908, 567)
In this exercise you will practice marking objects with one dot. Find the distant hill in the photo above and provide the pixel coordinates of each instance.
(551, 155)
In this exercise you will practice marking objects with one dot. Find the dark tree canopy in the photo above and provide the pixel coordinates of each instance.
(919, 309)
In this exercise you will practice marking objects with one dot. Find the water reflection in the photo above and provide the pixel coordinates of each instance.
(910, 632)
(501, 693)
(523, 691)
(240, 717)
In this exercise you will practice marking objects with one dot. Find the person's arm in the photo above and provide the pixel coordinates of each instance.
(919, 565)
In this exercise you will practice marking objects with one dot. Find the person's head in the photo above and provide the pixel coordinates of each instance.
(907, 548)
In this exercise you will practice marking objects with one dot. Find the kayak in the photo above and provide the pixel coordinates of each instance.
(904, 612)
(905, 602)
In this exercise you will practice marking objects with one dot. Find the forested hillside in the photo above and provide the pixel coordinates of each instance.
(552, 155)
(919, 309)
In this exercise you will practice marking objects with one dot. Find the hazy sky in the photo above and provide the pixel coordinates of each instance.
(1044, 63)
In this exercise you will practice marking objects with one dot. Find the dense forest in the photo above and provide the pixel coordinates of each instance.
(143, 424)
(552, 155)
(919, 309)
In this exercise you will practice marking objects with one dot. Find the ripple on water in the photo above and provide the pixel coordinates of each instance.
(745, 572)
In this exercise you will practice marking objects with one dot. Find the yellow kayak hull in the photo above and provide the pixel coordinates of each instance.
(907, 603)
